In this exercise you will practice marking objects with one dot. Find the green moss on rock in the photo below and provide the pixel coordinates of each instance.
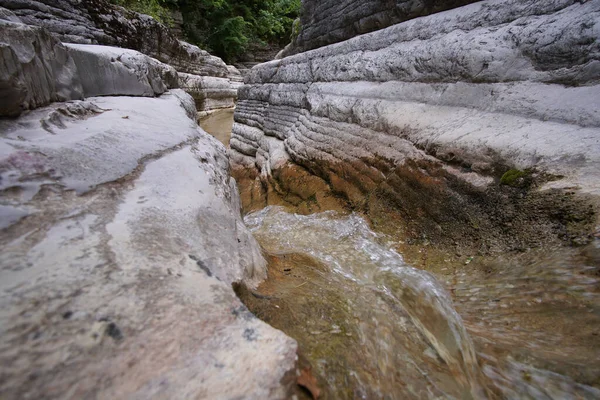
(514, 177)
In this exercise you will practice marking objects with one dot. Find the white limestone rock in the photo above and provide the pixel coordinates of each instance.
(124, 291)
(324, 22)
(35, 69)
(235, 77)
(112, 71)
(512, 82)
(209, 92)
(101, 22)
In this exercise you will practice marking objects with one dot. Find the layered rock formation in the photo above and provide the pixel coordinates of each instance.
(327, 22)
(36, 69)
(120, 238)
(99, 22)
(463, 122)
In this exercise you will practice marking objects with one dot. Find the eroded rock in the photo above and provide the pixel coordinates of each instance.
(92, 22)
(99, 22)
(112, 71)
(126, 291)
(35, 70)
(427, 115)
(210, 93)
(327, 22)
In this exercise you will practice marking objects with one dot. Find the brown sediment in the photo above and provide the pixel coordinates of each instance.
(422, 202)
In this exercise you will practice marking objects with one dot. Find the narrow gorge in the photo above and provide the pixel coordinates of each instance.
(404, 204)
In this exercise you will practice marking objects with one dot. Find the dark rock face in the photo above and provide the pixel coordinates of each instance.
(98, 22)
(331, 21)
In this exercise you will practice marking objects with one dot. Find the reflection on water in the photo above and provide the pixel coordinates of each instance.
(219, 124)
(374, 327)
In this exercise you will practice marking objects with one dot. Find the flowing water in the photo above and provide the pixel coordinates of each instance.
(371, 326)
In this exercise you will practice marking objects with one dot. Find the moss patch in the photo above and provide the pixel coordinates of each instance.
(515, 178)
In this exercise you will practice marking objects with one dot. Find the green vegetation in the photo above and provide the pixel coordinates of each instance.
(157, 9)
(227, 28)
(514, 177)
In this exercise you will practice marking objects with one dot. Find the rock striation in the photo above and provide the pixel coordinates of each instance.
(430, 114)
(210, 93)
(99, 22)
(121, 237)
(327, 22)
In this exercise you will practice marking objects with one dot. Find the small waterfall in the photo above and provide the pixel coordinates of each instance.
(360, 260)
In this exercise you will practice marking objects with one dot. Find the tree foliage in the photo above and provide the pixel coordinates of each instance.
(226, 28)
(157, 9)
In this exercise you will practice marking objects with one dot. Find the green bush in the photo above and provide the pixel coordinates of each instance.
(157, 9)
(226, 28)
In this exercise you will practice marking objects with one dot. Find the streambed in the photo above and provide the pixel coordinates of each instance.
(372, 326)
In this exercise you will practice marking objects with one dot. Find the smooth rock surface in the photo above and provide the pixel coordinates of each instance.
(100, 22)
(35, 69)
(124, 290)
(112, 71)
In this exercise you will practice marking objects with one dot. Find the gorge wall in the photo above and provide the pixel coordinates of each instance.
(211, 82)
(120, 235)
(477, 126)
(327, 22)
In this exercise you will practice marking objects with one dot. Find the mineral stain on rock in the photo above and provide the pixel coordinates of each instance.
(114, 331)
(201, 264)
(250, 334)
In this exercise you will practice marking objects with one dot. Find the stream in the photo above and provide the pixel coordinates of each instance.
(372, 326)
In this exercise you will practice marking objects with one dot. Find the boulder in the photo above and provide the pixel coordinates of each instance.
(112, 71)
(122, 239)
(35, 70)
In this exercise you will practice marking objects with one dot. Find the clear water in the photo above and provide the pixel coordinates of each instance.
(373, 326)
